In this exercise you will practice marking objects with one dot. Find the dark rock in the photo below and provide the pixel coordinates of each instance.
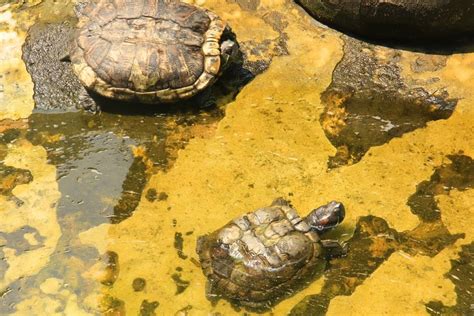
(396, 19)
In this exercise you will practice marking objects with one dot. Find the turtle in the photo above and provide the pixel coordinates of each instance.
(400, 20)
(259, 258)
(149, 51)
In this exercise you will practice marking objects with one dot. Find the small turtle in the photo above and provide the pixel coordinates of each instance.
(150, 51)
(257, 259)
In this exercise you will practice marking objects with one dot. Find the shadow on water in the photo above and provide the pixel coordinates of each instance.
(374, 241)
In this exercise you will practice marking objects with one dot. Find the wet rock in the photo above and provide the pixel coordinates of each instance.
(151, 195)
(11, 177)
(459, 174)
(426, 63)
(431, 235)
(368, 102)
(21, 241)
(56, 88)
(184, 311)
(163, 196)
(181, 285)
(397, 19)
(132, 188)
(148, 308)
(111, 306)
(106, 270)
(250, 5)
(139, 284)
(373, 242)
(258, 55)
(24, 239)
(462, 275)
(178, 245)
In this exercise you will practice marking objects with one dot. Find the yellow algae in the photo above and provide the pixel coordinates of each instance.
(72, 306)
(401, 286)
(38, 211)
(459, 73)
(234, 15)
(97, 237)
(16, 88)
(39, 305)
(457, 212)
(51, 286)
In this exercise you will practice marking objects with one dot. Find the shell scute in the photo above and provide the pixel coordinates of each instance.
(242, 222)
(129, 9)
(97, 51)
(121, 59)
(190, 17)
(282, 228)
(267, 215)
(106, 13)
(150, 8)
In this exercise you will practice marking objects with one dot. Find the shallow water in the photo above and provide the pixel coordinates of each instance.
(101, 212)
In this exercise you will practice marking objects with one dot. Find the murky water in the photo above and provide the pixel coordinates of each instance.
(101, 212)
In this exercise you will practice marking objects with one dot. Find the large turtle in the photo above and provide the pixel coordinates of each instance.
(150, 51)
(260, 257)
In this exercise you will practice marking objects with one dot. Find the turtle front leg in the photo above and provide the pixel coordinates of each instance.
(334, 249)
(65, 57)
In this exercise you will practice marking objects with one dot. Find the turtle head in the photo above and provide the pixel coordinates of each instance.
(230, 52)
(326, 217)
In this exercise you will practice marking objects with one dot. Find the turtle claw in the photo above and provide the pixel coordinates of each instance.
(334, 248)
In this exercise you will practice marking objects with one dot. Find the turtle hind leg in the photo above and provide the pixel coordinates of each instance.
(334, 249)
(206, 99)
(86, 102)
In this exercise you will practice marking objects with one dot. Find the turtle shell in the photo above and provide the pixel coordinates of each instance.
(261, 256)
(146, 50)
